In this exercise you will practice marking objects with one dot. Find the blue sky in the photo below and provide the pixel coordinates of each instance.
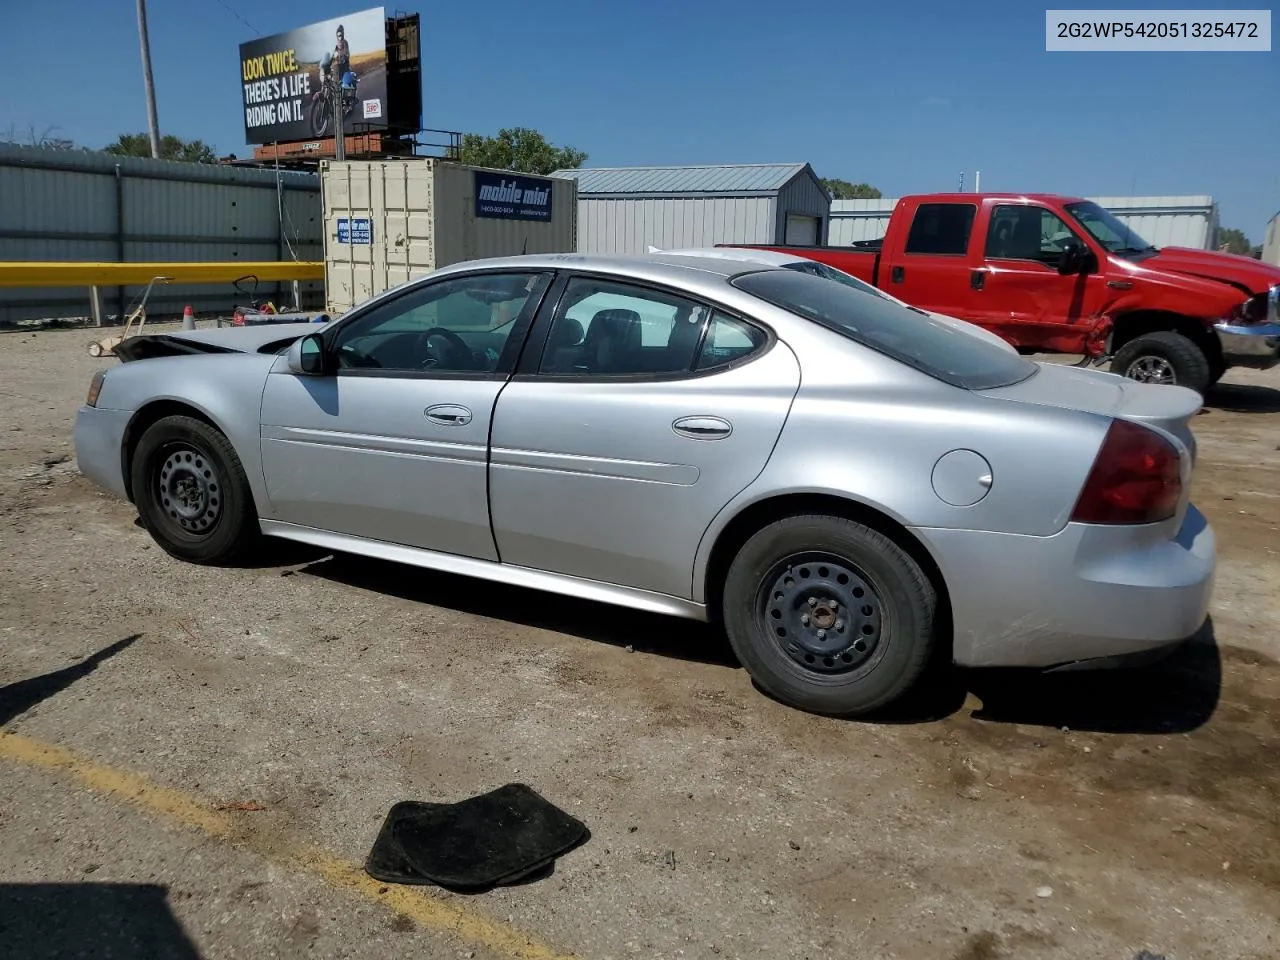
(900, 95)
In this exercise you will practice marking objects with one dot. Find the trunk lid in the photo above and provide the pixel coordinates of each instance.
(1111, 395)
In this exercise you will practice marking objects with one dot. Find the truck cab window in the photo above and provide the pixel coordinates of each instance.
(1024, 232)
(941, 228)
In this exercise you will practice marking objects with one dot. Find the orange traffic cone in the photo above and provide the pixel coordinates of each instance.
(188, 318)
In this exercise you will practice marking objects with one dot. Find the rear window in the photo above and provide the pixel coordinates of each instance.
(941, 229)
(906, 334)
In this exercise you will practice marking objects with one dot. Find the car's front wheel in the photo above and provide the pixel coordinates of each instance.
(191, 491)
(829, 615)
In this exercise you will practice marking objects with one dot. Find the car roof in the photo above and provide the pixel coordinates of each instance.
(672, 267)
(749, 254)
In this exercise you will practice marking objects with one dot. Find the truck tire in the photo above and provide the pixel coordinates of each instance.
(1164, 357)
(828, 615)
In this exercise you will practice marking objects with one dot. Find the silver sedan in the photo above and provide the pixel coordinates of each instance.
(851, 487)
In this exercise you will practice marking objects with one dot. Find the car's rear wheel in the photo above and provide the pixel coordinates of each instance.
(192, 493)
(829, 615)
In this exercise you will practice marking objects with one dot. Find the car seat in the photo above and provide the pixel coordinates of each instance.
(613, 342)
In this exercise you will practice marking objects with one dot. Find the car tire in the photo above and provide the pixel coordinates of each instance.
(1163, 357)
(192, 493)
(828, 615)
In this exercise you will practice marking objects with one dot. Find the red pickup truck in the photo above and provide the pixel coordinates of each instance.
(1063, 275)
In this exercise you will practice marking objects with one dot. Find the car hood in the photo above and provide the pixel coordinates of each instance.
(1110, 395)
(250, 339)
(1246, 273)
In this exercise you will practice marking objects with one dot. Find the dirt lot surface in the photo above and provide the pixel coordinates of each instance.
(194, 762)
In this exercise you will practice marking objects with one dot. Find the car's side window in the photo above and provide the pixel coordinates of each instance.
(605, 328)
(728, 340)
(941, 229)
(458, 325)
(1025, 232)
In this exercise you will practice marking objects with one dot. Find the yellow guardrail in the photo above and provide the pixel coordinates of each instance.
(17, 273)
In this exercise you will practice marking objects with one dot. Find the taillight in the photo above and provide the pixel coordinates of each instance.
(1136, 478)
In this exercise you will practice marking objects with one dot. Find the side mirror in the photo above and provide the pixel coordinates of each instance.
(1076, 258)
(306, 356)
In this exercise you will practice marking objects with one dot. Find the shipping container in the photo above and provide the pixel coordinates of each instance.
(390, 221)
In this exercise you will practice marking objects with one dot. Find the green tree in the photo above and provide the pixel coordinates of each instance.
(171, 148)
(844, 190)
(518, 149)
(1234, 241)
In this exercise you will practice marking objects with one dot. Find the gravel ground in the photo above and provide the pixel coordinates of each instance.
(209, 784)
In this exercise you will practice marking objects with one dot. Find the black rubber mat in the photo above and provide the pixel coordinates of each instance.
(506, 836)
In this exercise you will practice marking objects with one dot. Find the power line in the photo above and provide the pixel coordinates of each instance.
(231, 10)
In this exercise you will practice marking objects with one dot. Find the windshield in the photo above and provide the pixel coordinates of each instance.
(904, 333)
(1106, 229)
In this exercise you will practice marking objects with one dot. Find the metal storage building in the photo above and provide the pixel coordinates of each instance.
(1190, 221)
(1271, 244)
(625, 209)
(82, 205)
(389, 221)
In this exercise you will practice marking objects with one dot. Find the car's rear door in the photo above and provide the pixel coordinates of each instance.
(927, 262)
(616, 444)
(392, 444)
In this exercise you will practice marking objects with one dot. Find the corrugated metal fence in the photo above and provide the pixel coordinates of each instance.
(1190, 221)
(77, 205)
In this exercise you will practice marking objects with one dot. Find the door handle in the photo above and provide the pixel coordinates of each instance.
(978, 278)
(895, 275)
(703, 428)
(448, 414)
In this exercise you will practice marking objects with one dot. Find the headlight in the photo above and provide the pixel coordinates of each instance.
(95, 387)
(1260, 308)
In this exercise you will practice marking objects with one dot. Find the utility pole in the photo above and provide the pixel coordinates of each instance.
(152, 123)
(977, 182)
(339, 134)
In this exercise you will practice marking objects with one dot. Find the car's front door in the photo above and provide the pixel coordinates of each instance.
(392, 442)
(645, 413)
(1023, 297)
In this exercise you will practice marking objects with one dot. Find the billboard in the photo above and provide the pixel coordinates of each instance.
(286, 93)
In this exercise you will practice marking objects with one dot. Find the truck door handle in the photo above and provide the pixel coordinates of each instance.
(978, 278)
(896, 273)
(703, 428)
(448, 414)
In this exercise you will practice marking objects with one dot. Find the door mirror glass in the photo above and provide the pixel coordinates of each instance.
(306, 356)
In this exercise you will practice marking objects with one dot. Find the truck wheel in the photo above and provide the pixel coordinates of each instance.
(1163, 357)
(192, 493)
(828, 615)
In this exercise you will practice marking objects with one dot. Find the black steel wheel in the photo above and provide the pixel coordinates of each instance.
(823, 613)
(191, 491)
(829, 615)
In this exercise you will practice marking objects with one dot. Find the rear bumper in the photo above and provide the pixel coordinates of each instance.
(1255, 345)
(1087, 593)
(99, 438)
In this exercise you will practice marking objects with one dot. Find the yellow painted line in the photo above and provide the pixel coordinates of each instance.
(75, 273)
(427, 911)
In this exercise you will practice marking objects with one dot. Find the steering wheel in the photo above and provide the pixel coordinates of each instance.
(457, 357)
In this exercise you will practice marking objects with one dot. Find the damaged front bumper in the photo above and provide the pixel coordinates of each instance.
(1255, 345)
